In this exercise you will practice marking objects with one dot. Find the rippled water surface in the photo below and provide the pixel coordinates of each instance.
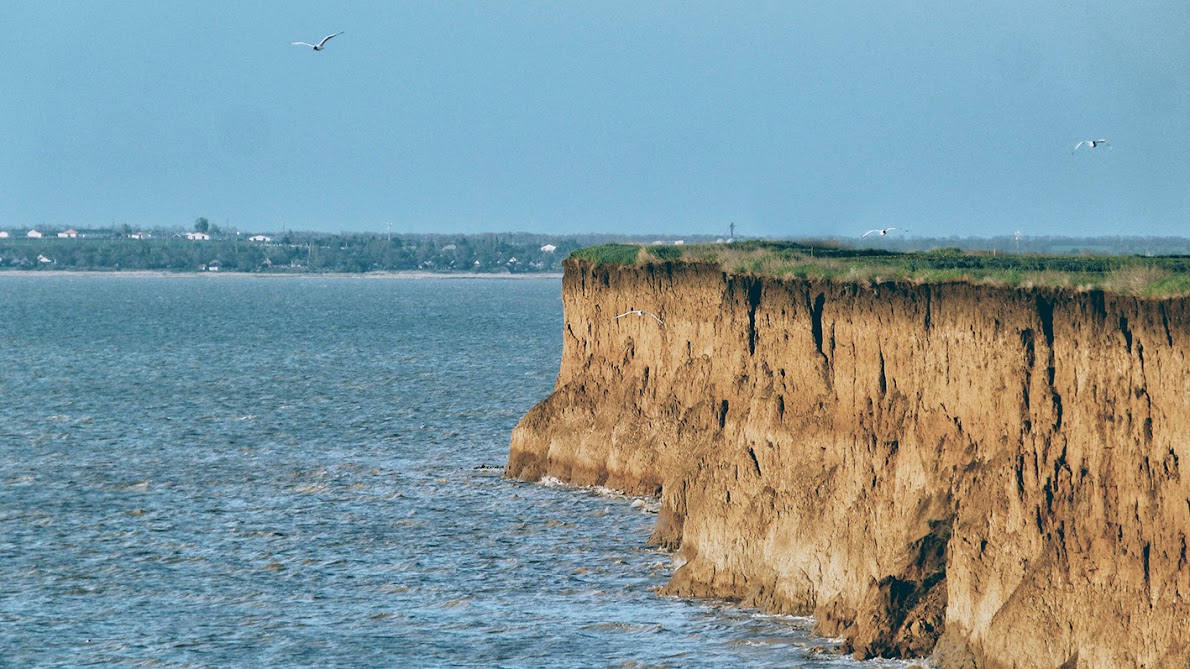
(303, 472)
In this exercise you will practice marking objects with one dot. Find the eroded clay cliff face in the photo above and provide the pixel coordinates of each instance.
(990, 475)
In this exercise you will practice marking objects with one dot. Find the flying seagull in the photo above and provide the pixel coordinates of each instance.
(638, 312)
(321, 45)
(1092, 144)
(882, 232)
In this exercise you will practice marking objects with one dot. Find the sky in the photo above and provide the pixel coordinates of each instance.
(790, 119)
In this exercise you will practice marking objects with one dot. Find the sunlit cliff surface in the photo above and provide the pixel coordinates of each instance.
(987, 475)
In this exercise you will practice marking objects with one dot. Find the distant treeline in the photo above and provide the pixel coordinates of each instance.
(295, 252)
(171, 250)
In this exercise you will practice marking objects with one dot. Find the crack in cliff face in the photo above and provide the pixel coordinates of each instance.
(1019, 472)
(1126, 332)
(1045, 312)
(929, 310)
(1148, 577)
(816, 322)
(883, 378)
(1057, 402)
(755, 461)
(816, 331)
(753, 302)
(1027, 382)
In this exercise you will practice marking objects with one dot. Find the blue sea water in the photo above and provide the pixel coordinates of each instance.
(244, 471)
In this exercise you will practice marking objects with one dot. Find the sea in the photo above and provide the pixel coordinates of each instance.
(247, 471)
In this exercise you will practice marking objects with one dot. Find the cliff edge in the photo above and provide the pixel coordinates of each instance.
(987, 475)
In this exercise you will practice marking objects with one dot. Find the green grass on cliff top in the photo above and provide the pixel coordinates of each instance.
(1163, 276)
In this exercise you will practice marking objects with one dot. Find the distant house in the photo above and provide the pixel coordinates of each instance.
(679, 242)
(512, 261)
(69, 233)
(549, 248)
(198, 236)
(450, 247)
(140, 235)
(260, 238)
(213, 266)
(41, 258)
(34, 234)
(3, 234)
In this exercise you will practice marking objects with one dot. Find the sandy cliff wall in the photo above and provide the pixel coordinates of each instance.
(990, 475)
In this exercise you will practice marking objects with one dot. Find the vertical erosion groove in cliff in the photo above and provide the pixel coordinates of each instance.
(989, 474)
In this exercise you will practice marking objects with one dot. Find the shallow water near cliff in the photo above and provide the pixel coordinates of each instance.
(304, 472)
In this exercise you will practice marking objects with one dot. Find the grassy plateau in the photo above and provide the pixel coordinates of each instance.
(1145, 276)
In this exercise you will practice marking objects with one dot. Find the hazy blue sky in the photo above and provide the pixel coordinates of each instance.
(789, 118)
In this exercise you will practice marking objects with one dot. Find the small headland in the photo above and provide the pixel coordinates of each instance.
(968, 456)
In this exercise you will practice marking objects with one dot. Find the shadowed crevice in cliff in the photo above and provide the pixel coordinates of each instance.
(1057, 402)
(816, 321)
(929, 295)
(753, 303)
(904, 615)
(815, 308)
(883, 378)
(1124, 329)
(1045, 312)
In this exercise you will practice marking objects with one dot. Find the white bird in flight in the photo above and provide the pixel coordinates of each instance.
(639, 312)
(882, 232)
(321, 45)
(1092, 143)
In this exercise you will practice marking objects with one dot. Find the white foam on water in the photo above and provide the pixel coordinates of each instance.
(645, 504)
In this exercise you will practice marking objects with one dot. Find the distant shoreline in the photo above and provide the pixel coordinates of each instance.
(306, 275)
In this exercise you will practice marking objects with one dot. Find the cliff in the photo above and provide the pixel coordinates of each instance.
(988, 475)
